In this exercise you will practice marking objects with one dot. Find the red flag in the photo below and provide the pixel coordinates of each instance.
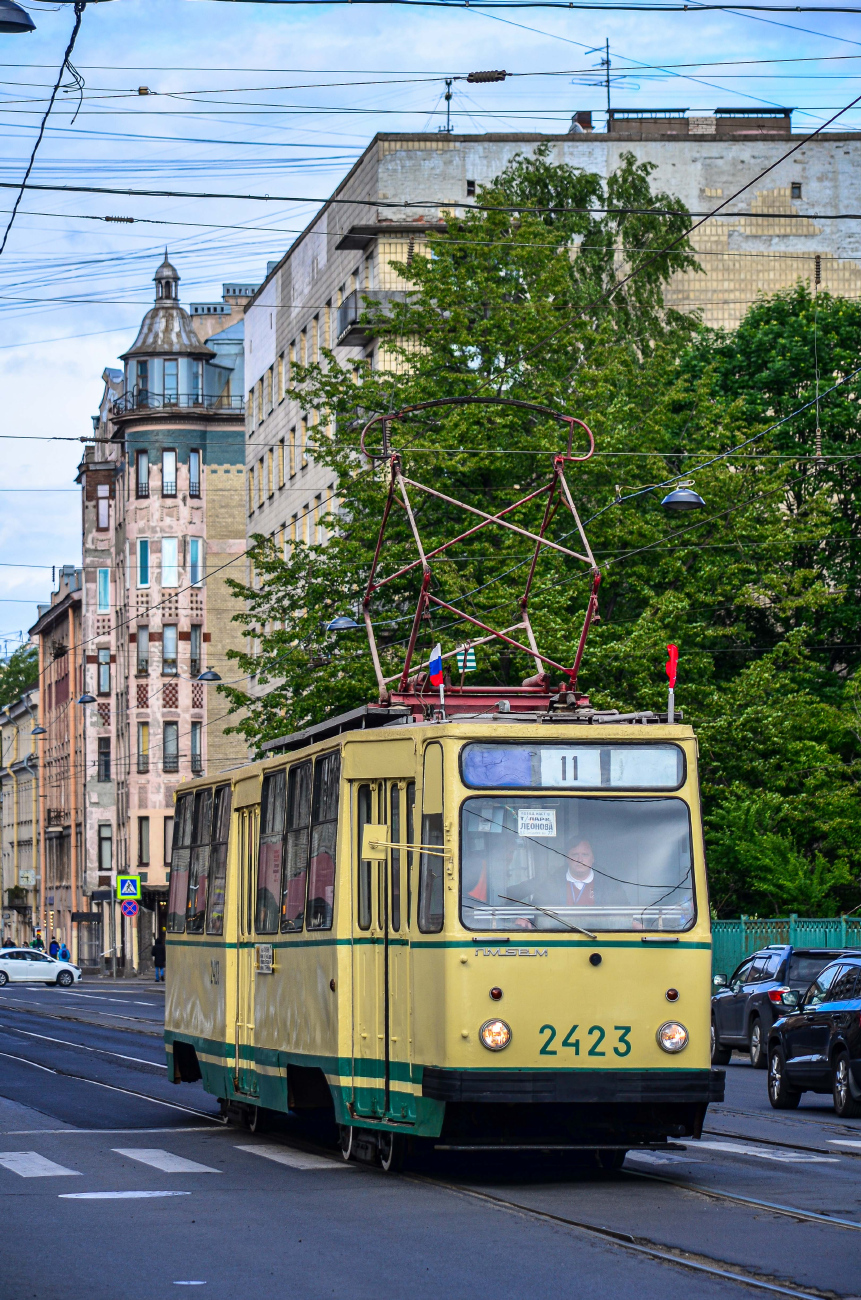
(672, 664)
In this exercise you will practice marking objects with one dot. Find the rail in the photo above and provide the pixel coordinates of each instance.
(148, 401)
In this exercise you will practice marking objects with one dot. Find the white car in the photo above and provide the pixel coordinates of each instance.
(28, 965)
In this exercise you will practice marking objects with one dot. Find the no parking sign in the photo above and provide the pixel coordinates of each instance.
(129, 907)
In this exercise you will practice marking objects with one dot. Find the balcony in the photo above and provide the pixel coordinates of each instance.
(351, 331)
(168, 489)
(141, 489)
(144, 400)
(196, 764)
(194, 487)
(170, 763)
(143, 763)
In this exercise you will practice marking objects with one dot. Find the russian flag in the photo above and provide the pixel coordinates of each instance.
(436, 673)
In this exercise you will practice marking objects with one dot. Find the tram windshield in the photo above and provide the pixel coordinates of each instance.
(576, 863)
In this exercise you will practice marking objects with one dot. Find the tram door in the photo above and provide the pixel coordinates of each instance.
(381, 956)
(244, 1075)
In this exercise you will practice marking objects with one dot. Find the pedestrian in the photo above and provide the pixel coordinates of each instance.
(38, 942)
(9, 942)
(64, 954)
(53, 946)
(158, 956)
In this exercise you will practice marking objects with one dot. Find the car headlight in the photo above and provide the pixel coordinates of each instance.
(672, 1036)
(495, 1035)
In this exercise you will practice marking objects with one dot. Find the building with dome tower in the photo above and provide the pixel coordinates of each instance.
(164, 527)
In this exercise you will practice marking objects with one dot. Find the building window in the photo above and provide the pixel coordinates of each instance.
(194, 473)
(168, 840)
(327, 324)
(143, 841)
(280, 376)
(270, 388)
(143, 562)
(105, 849)
(197, 381)
(196, 639)
(196, 741)
(470, 189)
(195, 561)
(143, 650)
(315, 339)
(271, 457)
(281, 463)
(103, 507)
(259, 400)
(796, 189)
(169, 640)
(104, 670)
(261, 484)
(251, 489)
(103, 591)
(142, 384)
(143, 746)
(170, 562)
(171, 382)
(170, 747)
(142, 474)
(292, 452)
(104, 759)
(294, 529)
(250, 404)
(168, 473)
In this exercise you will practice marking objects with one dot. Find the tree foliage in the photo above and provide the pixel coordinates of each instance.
(18, 674)
(518, 299)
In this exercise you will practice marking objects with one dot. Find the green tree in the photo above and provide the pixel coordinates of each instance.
(18, 674)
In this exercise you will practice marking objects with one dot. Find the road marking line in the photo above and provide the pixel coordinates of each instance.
(295, 1159)
(734, 1148)
(29, 1164)
(115, 1196)
(177, 1128)
(166, 1161)
(653, 1158)
(83, 1047)
(843, 1142)
(25, 1061)
(129, 1092)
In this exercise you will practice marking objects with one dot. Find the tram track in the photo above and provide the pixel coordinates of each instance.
(691, 1260)
(788, 1146)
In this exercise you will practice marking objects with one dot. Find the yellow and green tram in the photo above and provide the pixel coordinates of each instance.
(481, 931)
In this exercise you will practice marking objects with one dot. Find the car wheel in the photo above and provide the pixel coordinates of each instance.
(756, 1045)
(65, 979)
(720, 1055)
(4, 978)
(844, 1103)
(391, 1149)
(781, 1096)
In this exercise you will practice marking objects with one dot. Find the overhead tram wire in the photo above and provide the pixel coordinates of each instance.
(80, 6)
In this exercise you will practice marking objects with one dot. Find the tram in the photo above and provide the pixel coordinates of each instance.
(479, 922)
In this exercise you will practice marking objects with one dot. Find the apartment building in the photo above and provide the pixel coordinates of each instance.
(19, 816)
(405, 184)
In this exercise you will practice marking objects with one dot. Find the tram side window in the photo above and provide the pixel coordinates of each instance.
(411, 839)
(395, 887)
(198, 876)
(296, 850)
(218, 860)
(179, 859)
(324, 827)
(272, 817)
(363, 890)
(432, 866)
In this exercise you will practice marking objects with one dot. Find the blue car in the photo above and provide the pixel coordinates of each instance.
(817, 1046)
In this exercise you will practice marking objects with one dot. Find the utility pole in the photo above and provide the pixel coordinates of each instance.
(606, 62)
(446, 130)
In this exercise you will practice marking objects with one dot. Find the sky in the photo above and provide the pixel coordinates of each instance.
(279, 100)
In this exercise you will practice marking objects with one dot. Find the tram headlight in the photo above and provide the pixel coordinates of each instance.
(672, 1036)
(495, 1035)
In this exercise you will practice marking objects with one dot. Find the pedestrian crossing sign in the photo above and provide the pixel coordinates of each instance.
(128, 887)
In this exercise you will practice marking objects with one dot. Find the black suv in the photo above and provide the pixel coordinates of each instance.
(817, 1046)
(745, 1007)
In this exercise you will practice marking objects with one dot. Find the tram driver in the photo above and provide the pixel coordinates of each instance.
(568, 880)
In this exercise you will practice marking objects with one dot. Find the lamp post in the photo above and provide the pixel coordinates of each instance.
(14, 20)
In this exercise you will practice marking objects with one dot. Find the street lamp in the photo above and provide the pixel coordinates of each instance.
(209, 676)
(343, 623)
(86, 698)
(683, 497)
(39, 731)
(14, 19)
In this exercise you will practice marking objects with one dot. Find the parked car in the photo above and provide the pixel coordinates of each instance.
(745, 1007)
(817, 1047)
(27, 965)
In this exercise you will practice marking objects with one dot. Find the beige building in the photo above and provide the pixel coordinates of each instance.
(769, 238)
(19, 816)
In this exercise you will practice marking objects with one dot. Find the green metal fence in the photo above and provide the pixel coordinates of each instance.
(732, 941)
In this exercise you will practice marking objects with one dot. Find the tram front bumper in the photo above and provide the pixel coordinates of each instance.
(584, 1087)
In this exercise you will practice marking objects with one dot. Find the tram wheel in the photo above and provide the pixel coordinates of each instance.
(610, 1158)
(391, 1149)
(345, 1139)
(254, 1119)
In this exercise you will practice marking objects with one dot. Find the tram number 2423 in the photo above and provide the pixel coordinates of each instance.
(596, 1033)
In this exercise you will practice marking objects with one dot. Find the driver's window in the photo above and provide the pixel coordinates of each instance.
(741, 975)
(819, 991)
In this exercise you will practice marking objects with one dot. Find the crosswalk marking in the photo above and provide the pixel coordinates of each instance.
(661, 1158)
(295, 1159)
(115, 1196)
(29, 1164)
(165, 1161)
(843, 1142)
(783, 1157)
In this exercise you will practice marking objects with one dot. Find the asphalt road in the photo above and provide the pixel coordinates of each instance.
(117, 1185)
